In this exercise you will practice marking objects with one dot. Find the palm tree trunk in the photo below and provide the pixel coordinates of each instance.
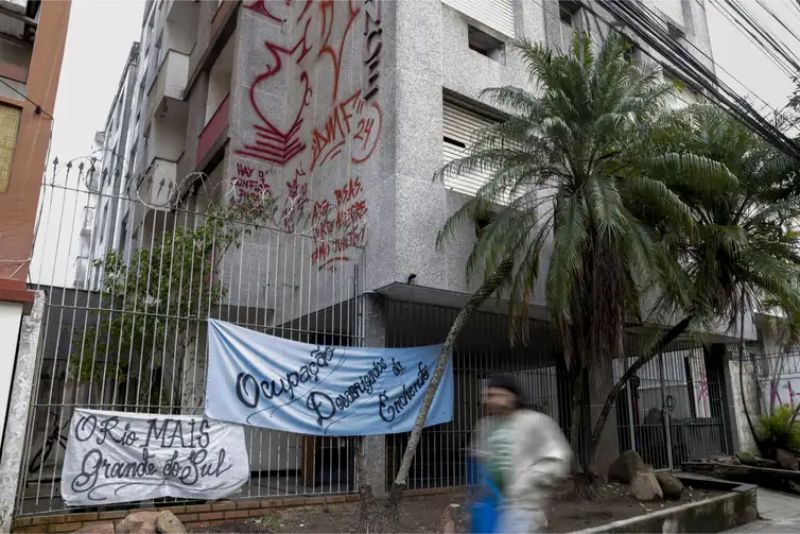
(486, 290)
(741, 372)
(668, 337)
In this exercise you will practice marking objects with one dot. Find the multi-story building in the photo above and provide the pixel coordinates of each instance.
(87, 223)
(339, 113)
(114, 167)
(32, 37)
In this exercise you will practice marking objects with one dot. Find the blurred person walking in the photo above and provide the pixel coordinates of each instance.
(519, 455)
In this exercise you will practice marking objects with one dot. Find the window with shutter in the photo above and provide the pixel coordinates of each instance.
(460, 128)
(496, 14)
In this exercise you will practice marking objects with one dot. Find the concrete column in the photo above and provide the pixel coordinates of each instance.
(374, 447)
(17, 418)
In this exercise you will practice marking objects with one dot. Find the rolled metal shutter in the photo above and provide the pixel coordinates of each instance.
(496, 14)
(460, 127)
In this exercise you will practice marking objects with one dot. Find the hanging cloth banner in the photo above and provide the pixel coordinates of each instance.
(122, 456)
(261, 380)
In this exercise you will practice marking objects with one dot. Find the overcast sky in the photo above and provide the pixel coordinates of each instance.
(99, 37)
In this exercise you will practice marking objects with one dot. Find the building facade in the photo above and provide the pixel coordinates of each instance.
(331, 118)
(32, 37)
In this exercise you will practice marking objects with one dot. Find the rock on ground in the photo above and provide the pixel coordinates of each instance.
(645, 487)
(451, 519)
(670, 485)
(747, 458)
(138, 523)
(786, 460)
(625, 467)
(167, 523)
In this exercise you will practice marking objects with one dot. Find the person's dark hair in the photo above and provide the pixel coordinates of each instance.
(509, 384)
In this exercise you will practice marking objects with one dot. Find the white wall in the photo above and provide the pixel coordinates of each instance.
(10, 318)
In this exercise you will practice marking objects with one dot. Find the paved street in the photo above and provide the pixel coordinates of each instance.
(780, 512)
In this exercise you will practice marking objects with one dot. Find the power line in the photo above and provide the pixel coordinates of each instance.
(39, 109)
(717, 66)
(739, 26)
(650, 31)
(778, 45)
(774, 16)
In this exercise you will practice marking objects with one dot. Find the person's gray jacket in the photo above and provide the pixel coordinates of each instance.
(541, 456)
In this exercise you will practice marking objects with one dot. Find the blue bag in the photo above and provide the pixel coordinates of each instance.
(484, 511)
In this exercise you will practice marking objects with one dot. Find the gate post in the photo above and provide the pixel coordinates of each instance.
(19, 410)
(373, 448)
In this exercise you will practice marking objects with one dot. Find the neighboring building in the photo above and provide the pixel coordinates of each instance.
(32, 37)
(111, 181)
(340, 112)
(84, 257)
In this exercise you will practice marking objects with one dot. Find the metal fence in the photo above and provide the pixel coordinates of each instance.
(482, 349)
(130, 335)
(130, 284)
(672, 410)
(777, 375)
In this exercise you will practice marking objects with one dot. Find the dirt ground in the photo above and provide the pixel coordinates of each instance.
(566, 513)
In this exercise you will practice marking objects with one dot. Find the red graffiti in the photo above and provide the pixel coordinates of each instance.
(792, 393)
(294, 203)
(702, 392)
(306, 116)
(260, 7)
(337, 228)
(350, 119)
(367, 134)
(280, 143)
(250, 183)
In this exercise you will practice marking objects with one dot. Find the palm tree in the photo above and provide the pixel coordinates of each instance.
(742, 253)
(564, 171)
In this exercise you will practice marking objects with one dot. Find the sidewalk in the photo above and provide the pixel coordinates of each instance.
(780, 512)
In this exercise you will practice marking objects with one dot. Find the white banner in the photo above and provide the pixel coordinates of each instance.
(121, 456)
(260, 380)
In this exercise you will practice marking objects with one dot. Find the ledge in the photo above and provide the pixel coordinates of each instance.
(777, 479)
(15, 291)
(716, 514)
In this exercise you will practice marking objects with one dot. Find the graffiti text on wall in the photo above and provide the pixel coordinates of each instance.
(313, 124)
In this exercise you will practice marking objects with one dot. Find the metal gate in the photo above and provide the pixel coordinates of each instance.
(129, 286)
(672, 410)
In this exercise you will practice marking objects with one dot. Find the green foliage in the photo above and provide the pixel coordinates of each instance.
(741, 253)
(779, 431)
(153, 301)
(568, 163)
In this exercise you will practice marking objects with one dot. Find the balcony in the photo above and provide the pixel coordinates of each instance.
(169, 82)
(157, 184)
(88, 221)
(81, 272)
(215, 128)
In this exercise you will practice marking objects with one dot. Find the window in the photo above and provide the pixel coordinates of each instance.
(486, 45)
(103, 224)
(123, 235)
(9, 127)
(568, 14)
(495, 14)
(460, 127)
(672, 9)
(675, 32)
